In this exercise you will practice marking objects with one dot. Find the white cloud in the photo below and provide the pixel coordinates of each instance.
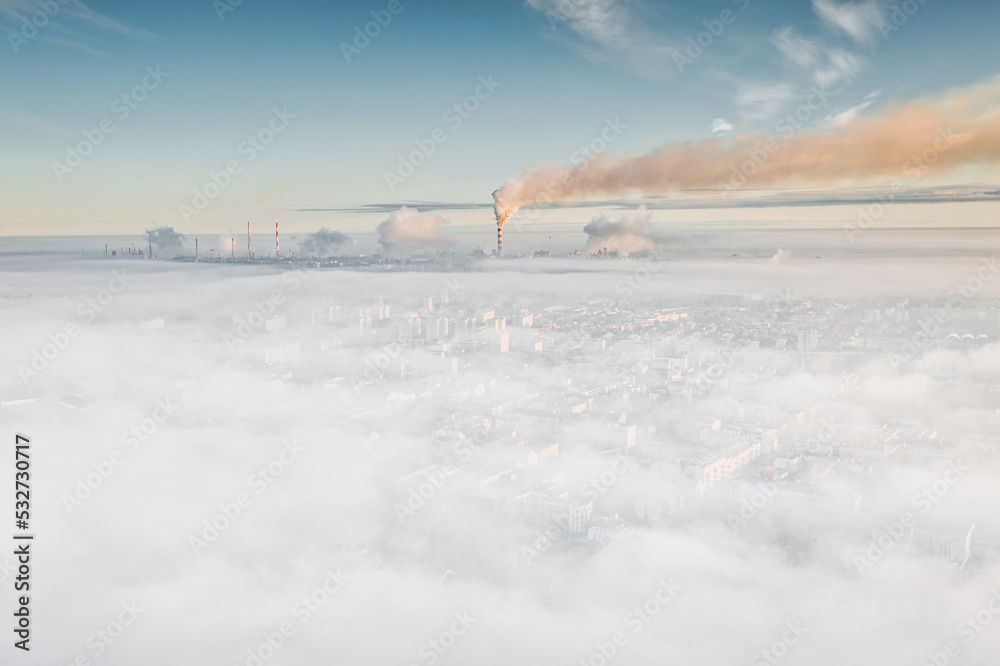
(73, 18)
(860, 20)
(720, 126)
(800, 51)
(828, 66)
(631, 232)
(763, 101)
(411, 229)
(842, 66)
(781, 256)
(608, 28)
(849, 115)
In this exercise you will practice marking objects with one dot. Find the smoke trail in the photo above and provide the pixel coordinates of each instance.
(925, 136)
(501, 209)
(322, 242)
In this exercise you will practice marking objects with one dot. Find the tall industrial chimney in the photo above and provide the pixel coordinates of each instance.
(499, 241)
(276, 246)
(249, 249)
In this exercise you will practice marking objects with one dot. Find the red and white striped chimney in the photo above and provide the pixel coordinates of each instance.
(499, 241)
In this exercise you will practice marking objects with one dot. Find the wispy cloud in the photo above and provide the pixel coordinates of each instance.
(841, 66)
(28, 121)
(763, 101)
(800, 51)
(608, 29)
(826, 66)
(847, 116)
(860, 20)
(720, 126)
(72, 18)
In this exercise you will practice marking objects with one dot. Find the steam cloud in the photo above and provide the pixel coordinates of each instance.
(780, 256)
(166, 242)
(924, 136)
(630, 233)
(322, 242)
(409, 228)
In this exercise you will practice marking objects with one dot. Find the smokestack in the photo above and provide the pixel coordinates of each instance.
(276, 246)
(499, 241)
(196, 247)
(249, 249)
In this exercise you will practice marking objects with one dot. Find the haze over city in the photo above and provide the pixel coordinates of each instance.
(580, 332)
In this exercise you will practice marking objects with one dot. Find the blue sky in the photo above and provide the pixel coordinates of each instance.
(564, 68)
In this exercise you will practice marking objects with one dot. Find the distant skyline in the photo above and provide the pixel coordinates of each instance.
(165, 100)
